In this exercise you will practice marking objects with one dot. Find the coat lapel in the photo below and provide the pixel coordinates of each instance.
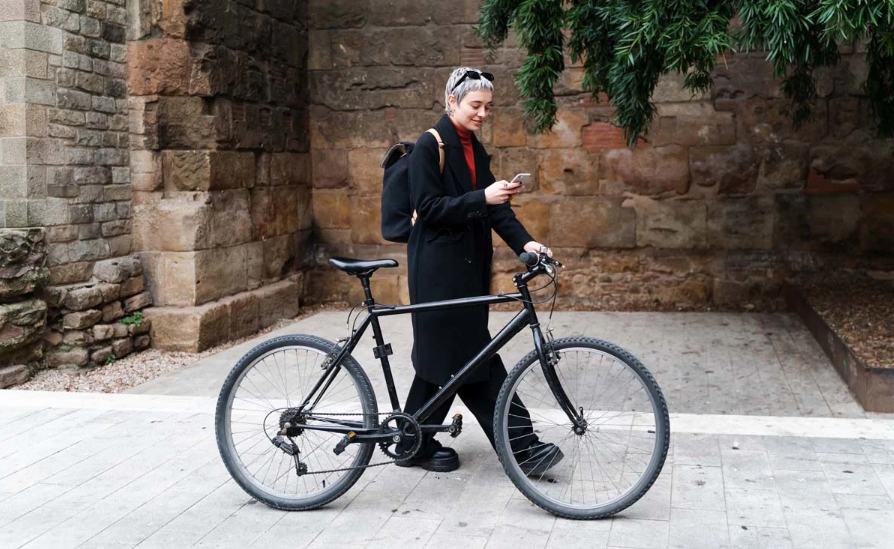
(455, 159)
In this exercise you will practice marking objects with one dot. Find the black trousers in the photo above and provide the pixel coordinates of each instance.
(481, 399)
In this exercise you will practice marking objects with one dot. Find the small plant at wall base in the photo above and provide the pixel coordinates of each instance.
(625, 46)
(110, 359)
(136, 319)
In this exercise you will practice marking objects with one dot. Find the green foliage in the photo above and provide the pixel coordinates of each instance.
(110, 359)
(135, 318)
(627, 45)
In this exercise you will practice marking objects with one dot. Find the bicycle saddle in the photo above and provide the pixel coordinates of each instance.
(360, 266)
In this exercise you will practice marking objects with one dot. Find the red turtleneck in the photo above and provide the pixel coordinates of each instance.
(465, 137)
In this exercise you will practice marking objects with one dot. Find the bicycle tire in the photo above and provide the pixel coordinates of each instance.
(225, 442)
(524, 483)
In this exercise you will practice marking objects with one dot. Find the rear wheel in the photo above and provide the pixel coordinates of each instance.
(603, 468)
(262, 393)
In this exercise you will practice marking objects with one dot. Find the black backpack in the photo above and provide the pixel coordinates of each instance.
(398, 215)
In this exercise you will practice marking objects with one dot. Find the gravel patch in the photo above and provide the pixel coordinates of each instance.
(138, 368)
(860, 309)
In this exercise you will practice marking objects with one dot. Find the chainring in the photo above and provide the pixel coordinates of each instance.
(409, 430)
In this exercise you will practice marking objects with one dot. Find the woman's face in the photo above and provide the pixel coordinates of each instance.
(473, 110)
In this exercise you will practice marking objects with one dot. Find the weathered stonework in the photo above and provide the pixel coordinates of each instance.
(220, 163)
(94, 322)
(722, 187)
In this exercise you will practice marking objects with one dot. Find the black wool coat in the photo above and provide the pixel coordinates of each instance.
(450, 252)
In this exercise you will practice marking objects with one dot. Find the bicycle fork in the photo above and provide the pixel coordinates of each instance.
(548, 363)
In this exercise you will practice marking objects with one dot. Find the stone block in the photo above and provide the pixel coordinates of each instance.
(332, 209)
(180, 223)
(566, 172)
(21, 323)
(23, 263)
(767, 121)
(509, 127)
(535, 216)
(131, 286)
(783, 165)
(11, 376)
(565, 133)
(53, 295)
(366, 220)
(122, 347)
(277, 301)
(289, 169)
(590, 222)
(645, 170)
(669, 223)
(242, 310)
(99, 356)
(66, 357)
(141, 342)
(692, 124)
(598, 136)
(185, 123)
(116, 270)
(102, 332)
(207, 170)
(112, 312)
(365, 171)
(330, 168)
(741, 223)
(337, 14)
(412, 46)
(189, 329)
(77, 338)
(80, 299)
(734, 170)
(279, 256)
(137, 302)
(141, 328)
(231, 222)
(71, 272)
(159, 66)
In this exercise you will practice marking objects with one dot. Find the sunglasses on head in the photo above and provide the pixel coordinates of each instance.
(474, 75)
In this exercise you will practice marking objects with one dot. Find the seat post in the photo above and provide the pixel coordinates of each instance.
(364, 280)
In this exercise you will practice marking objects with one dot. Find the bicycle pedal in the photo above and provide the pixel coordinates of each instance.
(457, 426)
(343, 443)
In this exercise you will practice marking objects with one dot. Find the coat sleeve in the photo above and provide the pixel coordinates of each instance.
(431, 200)
(510, 229)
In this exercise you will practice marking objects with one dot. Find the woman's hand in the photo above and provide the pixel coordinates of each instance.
(534, 246)
(500, 192)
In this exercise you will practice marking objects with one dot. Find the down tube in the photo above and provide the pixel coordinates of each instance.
(449, 389)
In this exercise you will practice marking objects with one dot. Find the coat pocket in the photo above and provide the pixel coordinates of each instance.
(444, 234)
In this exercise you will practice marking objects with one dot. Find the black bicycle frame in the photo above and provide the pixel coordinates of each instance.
(526, 317)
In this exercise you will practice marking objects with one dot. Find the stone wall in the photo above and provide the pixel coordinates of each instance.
(720, 200)
(63, 129)
(99, 321)
(220, 164)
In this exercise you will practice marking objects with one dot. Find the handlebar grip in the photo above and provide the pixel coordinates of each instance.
(529, 258)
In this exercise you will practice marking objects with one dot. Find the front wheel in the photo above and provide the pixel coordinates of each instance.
(594, 471)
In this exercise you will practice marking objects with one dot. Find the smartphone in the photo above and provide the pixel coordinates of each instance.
(524, 179)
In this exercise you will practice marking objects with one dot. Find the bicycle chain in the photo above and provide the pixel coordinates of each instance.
(368, 465)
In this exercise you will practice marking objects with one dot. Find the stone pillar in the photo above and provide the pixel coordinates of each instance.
(220, 165)
(63, 138)
(23, 272)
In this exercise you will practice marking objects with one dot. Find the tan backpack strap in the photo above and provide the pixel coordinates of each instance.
(435, 133)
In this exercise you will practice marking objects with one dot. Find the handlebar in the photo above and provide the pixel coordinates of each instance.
(532, 259)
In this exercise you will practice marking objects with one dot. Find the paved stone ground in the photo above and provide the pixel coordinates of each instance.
(142, 470)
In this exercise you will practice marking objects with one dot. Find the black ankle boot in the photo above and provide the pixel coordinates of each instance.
(433, 457)
(539, 457)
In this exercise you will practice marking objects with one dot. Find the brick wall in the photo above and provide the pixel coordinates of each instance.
(217, 94)
(718, 202)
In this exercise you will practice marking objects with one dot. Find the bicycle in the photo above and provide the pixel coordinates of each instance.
(610, 423)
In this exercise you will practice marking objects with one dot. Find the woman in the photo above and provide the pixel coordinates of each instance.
(450, 251)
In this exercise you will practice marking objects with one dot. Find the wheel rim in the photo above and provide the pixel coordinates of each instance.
(273, 383)
(620, 452)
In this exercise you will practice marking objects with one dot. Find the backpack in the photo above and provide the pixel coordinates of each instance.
(398, 215)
